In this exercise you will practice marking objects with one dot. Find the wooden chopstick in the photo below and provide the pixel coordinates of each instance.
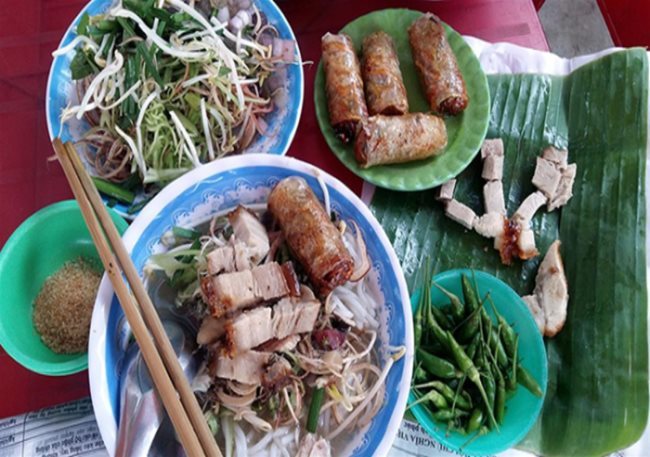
(148, 310)
(186, 415)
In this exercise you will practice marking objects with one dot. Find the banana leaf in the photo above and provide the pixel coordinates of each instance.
(597, 399)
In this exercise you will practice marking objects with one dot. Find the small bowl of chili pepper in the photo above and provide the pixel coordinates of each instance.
(480, 372)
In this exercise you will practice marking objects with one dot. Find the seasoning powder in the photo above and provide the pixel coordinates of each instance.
(64, 306)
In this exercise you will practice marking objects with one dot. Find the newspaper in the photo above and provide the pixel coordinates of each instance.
(70, 430)
(61, 431)
(413, 440)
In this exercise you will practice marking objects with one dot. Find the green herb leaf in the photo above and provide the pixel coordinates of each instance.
(190, 126)
(149, 64)
(82, 26)
(113, 190)
(161, 14)
(81, 65)
(127, 28)
(107, 25)
(193, 100)
(141, 8)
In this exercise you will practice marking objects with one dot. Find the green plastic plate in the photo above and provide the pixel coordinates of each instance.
(466, 131)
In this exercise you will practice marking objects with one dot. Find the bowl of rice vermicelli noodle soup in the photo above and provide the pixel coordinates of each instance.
(289, 284)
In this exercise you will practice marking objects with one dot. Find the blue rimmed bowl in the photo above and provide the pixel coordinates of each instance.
(192, 199)
(282, 122)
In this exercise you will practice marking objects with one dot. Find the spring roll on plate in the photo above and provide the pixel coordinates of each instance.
(382, 78)
(395, 139)
(437, 67)
(343, 85)
(310, 234)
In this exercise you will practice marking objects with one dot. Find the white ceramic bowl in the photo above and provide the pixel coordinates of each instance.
(223, 184)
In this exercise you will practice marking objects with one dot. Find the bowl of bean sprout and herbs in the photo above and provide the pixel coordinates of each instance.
(150, 90)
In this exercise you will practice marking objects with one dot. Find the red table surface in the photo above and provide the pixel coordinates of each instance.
(31, 29)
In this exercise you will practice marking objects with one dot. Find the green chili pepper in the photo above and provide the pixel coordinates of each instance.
(468, 368)
(495, 346)
(470, 295)
(457, 308)
(473, 346)
(441, 318)
(526, 379)
(437, 366)
(467, 397)
(475, 420)
(435, 329)
(446, 392)
(508, 334)
(446, 415)
(434, 397)
(480, 358)
(470, 327)
(419, 374)
(471, 324)
(486, 325)
(485, 318)
(500, 399)
(452, 426)
(512, 380)
(482, 431)
(431, 346)
(490, 391)
(460, 393)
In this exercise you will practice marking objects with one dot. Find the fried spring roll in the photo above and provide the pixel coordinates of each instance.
(395, 139)
(343, 85)
(382, 78)
(310, 234)
(437, 67)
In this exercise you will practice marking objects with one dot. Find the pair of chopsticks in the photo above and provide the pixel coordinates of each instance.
(158, 354)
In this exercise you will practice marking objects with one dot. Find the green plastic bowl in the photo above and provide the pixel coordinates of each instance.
(37, 249)
(523, 408)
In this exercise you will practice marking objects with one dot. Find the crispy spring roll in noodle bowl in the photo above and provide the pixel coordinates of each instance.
(437, 67)
(395, 139)
(343, 85)
(310, 234)
(382, 77)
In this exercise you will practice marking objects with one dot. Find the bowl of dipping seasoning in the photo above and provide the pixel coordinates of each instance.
(49, 268)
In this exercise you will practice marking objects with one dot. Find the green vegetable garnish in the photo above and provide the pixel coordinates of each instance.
(314, 409)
